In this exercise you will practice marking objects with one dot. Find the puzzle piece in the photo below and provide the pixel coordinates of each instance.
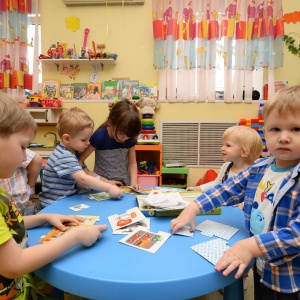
(184, 231)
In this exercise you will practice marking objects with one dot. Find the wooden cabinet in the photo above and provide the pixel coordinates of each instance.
(44, 115)
(175, 177)
(149, 153)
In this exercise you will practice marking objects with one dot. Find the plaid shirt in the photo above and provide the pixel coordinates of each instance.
(281, 244)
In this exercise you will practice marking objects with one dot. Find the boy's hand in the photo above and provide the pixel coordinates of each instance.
(115, 192)
(57, 220)
(87, 235)
(238, 256)
(187, 216)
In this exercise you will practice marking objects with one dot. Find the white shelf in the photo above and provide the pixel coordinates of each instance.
(66, 61)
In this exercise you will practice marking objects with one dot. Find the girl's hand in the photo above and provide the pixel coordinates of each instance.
(87, 235)
(57, 220)
(137, 186)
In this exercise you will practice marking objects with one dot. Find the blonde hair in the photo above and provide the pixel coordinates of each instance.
(248, 139)
(14, 118)
(285, 102)
(72, 121)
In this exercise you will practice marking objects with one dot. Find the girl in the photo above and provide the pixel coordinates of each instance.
(113, 142)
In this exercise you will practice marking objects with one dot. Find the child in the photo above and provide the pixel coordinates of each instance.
(17, 129)
(21, 186)
(63, 176)
(242, 145)
(270, 191)
(114, 142)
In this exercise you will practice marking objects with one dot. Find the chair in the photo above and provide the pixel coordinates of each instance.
(209, 175)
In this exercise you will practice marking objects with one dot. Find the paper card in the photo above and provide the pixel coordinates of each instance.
(212, 250)
(211, 228)
(141, 225)
(131, 190)
(184, 231)
(146, 240)
(131, 216)
(79, 207)
(100, 196)
(56, 233)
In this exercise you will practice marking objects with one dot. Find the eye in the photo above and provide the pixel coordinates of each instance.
(275, 129)
(297, 129)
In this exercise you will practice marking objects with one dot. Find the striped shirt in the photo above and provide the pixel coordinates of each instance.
(111, 157)
(58, 182)
(280, 245)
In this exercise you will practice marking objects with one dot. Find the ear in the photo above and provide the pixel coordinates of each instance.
(245, 153)
(65, 138)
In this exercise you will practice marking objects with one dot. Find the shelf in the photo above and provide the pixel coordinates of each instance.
(66, 61)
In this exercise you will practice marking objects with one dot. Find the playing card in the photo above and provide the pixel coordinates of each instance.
(100, 196)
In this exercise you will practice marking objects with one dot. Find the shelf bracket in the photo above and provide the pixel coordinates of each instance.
(102, 66)
(57, 66)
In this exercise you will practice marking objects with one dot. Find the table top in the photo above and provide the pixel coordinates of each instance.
(112, 270)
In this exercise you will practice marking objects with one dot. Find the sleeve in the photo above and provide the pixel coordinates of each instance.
(209, 185)
(30, 155)
(96, 138)
(67, 165)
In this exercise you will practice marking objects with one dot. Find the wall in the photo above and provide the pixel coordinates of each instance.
(128, 31)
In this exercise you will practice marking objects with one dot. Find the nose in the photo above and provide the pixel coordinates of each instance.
(284, 137)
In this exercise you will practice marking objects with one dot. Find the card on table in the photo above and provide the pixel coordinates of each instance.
(79, 207)
(212, 228)
(212, 250)
(146, 240)
(131, 216)
(56, 233)
(142, 225)
(100, 196)
(185, 230)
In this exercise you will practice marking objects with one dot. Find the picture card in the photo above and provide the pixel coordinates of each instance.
(56, 233)
(79, 207)
(212, 228)
(185, 230)
(131, 216)
(212, 250)
(100, 196)
(142, 225)
(146, 240)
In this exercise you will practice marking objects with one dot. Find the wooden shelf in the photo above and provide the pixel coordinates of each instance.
(66, 61)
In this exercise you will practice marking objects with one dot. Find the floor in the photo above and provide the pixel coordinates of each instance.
(248, 294)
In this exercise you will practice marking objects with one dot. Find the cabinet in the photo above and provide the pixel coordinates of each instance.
(175, 177)
(149, 153)
(45, 116)
(69, 61)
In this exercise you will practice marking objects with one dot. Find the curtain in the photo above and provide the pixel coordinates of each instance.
(205, 46)
(14, 48)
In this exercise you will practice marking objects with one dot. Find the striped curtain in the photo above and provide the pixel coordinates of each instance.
(200, 45)
(14, 48)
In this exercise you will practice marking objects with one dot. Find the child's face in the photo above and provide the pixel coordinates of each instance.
(231, 150)
(282, 136)
(13, 152)
(121, 136)
(80, 141)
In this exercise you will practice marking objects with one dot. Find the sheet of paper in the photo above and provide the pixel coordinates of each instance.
(211, 250)
(56, 233)
(141, 225)
(131, 216)
(146, 240)
(212, 228)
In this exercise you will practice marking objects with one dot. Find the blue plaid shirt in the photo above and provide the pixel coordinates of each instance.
(281, 244)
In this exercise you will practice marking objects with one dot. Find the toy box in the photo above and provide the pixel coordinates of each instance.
(150, 211)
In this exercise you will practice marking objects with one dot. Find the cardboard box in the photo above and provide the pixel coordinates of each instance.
(150, 211)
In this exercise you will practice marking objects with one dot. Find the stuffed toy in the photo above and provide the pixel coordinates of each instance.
(147, 105)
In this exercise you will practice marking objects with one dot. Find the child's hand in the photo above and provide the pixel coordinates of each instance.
(238, 256)
(187, 216)
(88, 235)
(115, 192)
(57, 220)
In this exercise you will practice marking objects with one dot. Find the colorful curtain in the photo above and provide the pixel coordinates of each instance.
(200, 45)
(14, 47)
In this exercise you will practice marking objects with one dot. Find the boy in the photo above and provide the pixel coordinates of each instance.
(21, 186)
(17, 129)
(63, 176)
(270, 190)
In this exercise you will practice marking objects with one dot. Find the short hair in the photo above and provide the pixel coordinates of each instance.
(73, 120)
(125, 117)
(285, 102)
(248, 139)
(14, 118)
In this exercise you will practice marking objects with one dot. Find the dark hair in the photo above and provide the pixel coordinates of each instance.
(125, 117)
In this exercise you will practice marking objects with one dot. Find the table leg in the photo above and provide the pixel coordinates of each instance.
(234, 290)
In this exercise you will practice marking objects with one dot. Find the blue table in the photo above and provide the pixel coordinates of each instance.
(112, 270)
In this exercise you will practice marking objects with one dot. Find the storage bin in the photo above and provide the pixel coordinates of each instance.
(151, 180)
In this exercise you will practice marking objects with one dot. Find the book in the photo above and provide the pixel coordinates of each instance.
(80, 90)
(110, 90)
(56, 233)
(93, 91)
(66, 91)
(150, 211)
(130, 88)
(148, 89)
(173, 164)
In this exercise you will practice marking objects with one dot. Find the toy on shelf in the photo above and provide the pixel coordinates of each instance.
(147, 110)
